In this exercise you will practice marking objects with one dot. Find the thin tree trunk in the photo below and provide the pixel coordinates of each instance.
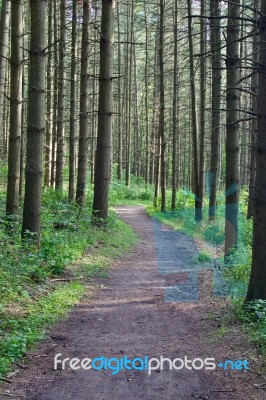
(203, 37)
(104, 137)
(73, 124)
(4, 46)
(49, 114)
(129, 98)
(36, 122)
(12, 201)
(232, 128)
(162, 109)
(175, 111)
(147, 147)
(61, 100)
(120, 125)
(198, 200)
(216, 105)
(254, 89)
(84, 108)
(55, 97)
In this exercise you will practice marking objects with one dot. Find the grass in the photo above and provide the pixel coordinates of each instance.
(32, 297)
(237, 270)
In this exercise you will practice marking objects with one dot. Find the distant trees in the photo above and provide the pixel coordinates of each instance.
(166, 95)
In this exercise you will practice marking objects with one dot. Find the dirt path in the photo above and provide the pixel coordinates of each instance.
(148, 306)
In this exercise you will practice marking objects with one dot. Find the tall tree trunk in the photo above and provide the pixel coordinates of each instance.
(120, 136)
(203, 37)
(73, 103)
(104, 137)
(61, 99)
(129, 96)
(216, 104)
(232, 127)
(175, 110)
(12, 201)
(254, 89)
(257, 283)
(4, 46)
(84, 108)
(36, 121)
(55, 96)
(162, 108)
(198, 200)
(147, 145)
(49, 114)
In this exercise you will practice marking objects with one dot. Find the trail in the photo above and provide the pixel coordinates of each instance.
(156, 302)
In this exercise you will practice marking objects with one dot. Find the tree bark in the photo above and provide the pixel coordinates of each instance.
(4, 46)
(84, 108)
(36, 122)
(232, 128)
(12, 201)
(198, 200)
(104, 137)
(216, 104)
(257, 283)
(61, 99)
(162, 109)
(175, 111)
(49, 111)
(73, 103)
(254, 89)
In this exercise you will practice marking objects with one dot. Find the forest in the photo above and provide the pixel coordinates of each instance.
(125, 125)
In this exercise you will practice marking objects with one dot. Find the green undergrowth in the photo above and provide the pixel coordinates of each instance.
(37, 287)
(237, 269)
(136, 193)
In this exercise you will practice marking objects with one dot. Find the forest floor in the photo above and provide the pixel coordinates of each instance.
(156, 302)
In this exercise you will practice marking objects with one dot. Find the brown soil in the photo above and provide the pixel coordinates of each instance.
(129, 316)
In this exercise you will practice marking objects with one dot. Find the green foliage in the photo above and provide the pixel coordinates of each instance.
(253, 316)
(30, 300)
(204, 256)
(136, 192)
(237, 269)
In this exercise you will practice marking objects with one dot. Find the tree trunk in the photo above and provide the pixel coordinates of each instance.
(175, 111)
(198, 200)
(61, 99)
(84, 108)
(129, 96)
(120, 135)
(55, 97)
(49, 117)
(232, 128)
(104, 137)
(257, 283)
(12, 201)
(73, 103)
(216, 104)
(147, 145)
(36, 122)
(162, 109)
(254, 89)
(4, 46)
(203, 37)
